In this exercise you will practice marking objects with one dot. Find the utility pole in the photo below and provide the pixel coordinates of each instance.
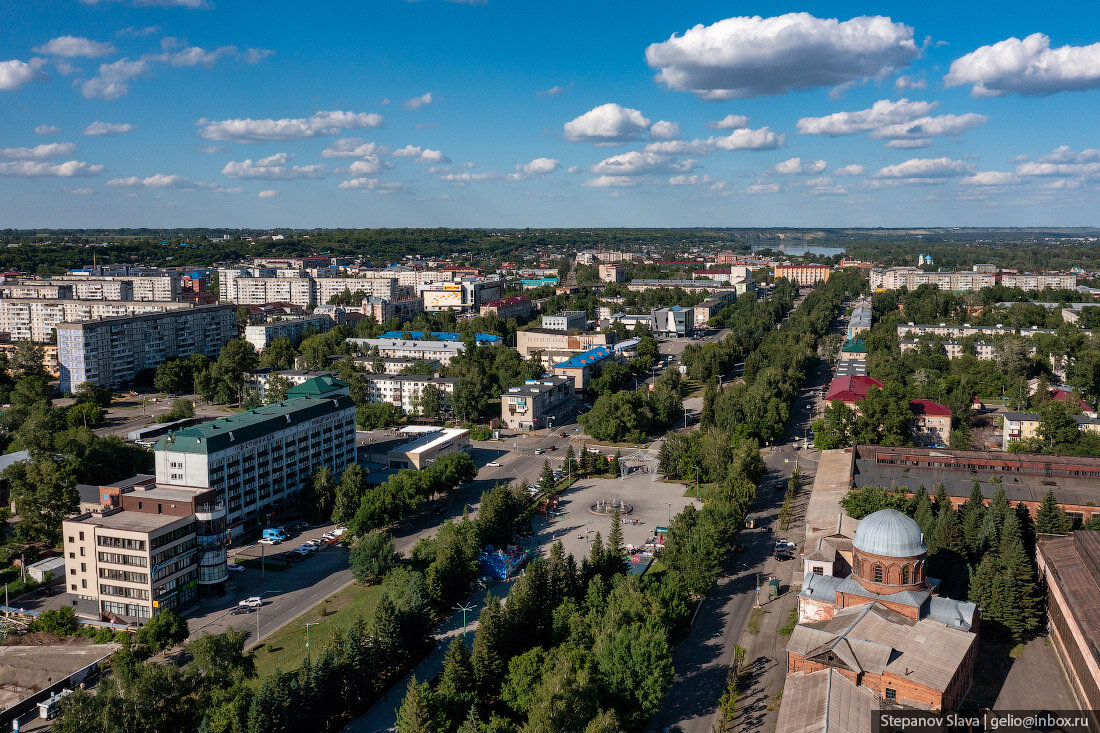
(669, 504)
(696, 481)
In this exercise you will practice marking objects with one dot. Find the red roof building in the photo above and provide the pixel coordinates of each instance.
(851, 390)
(1065, 396)
(931, 423)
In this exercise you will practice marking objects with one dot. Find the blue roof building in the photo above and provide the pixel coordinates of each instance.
(583, 367)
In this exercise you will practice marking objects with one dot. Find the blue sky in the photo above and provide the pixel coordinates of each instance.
(508, 113)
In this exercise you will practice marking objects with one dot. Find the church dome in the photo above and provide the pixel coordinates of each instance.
(889, 533)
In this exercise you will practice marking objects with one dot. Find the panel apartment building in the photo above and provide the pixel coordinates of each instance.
(112, 351)
(262, 334)
(35, 319)
(912, 278)
(537, 403)
(258, 460)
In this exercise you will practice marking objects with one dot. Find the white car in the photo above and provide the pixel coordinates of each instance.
(307, 549)
(339, 531)
(235, 568)
(494, 464)
(538, 451)
(269, 541)
(252, 602)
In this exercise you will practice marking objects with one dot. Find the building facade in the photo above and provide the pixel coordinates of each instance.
(405, 390)
(431, 351)
(912, 278)
(537, 403)
(803, 274)
(261, 335)
(1028, 281)
(566, 321)
(612, 273)
(518, 306)
(36, 319)
(112, 351)
(258, 460)
(557, 345)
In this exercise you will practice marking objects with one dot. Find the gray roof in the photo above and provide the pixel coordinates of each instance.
(825, 702)
(914, 598)
(890, 533)
(9, 458)
(951, 613)
(873, 638)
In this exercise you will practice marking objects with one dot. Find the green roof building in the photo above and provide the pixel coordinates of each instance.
(260, 459)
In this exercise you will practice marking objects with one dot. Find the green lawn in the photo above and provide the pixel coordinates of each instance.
(286, 649)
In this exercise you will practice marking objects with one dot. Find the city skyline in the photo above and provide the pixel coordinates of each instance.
(199, 113)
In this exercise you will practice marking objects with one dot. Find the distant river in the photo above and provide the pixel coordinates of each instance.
(800, 249)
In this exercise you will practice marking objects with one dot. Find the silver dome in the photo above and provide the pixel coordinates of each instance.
(889, 533)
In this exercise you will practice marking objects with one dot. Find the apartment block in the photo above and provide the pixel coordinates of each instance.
(112, 351)
(803, 274)
(435, 351)
(381, 287)
(983, 350)
(294, 377)
(260, 290)
(537, 403)
(36, 319)
(404, 390)
(912, 278)
(43, 290)
(260, 335)
(1027, 281)
(258, 460)
(519, 306)
(383, 309)
(691, 286)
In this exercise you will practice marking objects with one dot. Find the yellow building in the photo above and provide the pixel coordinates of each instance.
(803, 274)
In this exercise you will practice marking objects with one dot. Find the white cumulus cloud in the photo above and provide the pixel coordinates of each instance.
(417, 102)
(930, 126)
(74, 47)
(34, 169)
(909, 143)
(158, 180)
(664, 130)
(636, 163)
(109, 128)
(729, 122)
(16, 73)
(1029, 66)
(38, 152)
(746, 139)
(910, 82)
(613, 182)
(47, 130)
(763, 188)
(269, 193)
(990, 178)
(537, 167)
(609, 123)
(113, 80)
(852, 169)
(693, 180)
(353, 147)
(882, 113)
(754, 56)
(797, 166)
(369, 165)
(1064, 161)
(321, 123)
(927, 168)
(272, 167)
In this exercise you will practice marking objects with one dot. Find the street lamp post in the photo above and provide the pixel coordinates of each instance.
(696, 481)
(669, 505)
(308, 624)
(464, 609)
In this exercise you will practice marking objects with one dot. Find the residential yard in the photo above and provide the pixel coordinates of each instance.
(286, 648)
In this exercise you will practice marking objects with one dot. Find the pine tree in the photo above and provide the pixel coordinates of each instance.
(981, 587)
(560, 584)
(584, 463)
(415, 715)
(570, 465)
(613, 556)
(458, 669)
(1051, 518)
(994, 519)
(487, 656)
(710, 394)
(948, 537)
(386, 629)
(943, 499)
(924, 517)
(546, 478)
(970, 516)
(1023, 612)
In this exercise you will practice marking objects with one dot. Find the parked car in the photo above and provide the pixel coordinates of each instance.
(494, 464)
(298, 526)
(252, 602)
(235, 568)
(539, 451)
(738, 548)
(306, 548)
(563, 435)
(269, 541)
(553, 447)
(785, 543)
(237, 611)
